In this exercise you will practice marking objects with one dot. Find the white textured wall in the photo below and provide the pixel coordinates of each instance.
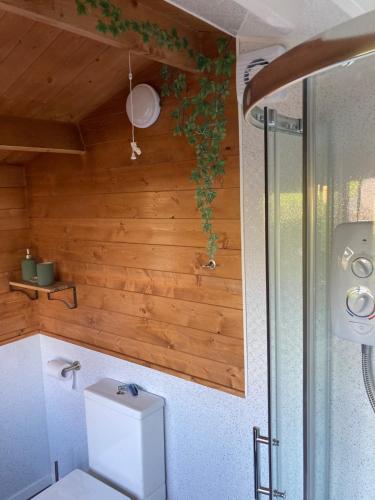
(207, 432)
(24, 452)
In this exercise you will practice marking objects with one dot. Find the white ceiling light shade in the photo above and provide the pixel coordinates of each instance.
(146, 106)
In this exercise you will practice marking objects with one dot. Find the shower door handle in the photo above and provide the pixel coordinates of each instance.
(257, 441)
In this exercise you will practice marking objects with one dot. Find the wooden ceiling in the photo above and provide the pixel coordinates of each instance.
(55, 67)
(52, 74)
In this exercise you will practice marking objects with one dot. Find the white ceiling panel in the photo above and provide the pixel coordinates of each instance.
(292, 20)
(355, 7)
(309, 18)
(228, 15)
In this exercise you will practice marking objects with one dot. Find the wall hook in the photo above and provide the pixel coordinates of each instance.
(211, 264)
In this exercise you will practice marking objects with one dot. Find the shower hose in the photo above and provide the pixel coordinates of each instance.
(367, 374)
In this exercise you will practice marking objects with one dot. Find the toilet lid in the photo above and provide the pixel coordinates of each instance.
(79, 485)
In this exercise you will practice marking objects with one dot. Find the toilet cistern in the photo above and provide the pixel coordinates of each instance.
(125, 436)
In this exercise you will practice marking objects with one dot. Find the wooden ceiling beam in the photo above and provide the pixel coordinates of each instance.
(31, 135)
(63, 14)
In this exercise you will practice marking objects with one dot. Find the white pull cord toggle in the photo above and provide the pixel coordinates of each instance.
(135, 150)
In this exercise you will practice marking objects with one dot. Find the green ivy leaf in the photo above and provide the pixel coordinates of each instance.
(81, 8)
(211, 195)
(207, 227)
(176, 114)
(196, 175)
(222, 45)
(203, 62)
(165, 72)
(101, 26)
(185, 102)
(165, 90)
(177, 130)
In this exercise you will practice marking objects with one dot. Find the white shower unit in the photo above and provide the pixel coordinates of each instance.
(320, 225)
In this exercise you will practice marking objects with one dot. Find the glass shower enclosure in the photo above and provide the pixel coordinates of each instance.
(320, 213)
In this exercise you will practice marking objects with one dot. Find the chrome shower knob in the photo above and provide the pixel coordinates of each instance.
(360, 302)
(362, 267)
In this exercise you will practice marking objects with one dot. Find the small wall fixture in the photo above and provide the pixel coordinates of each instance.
(142, 108)
(146, 106)
(211, 264)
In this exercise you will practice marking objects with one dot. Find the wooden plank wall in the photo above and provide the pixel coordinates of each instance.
(16, 311)
(129, 234)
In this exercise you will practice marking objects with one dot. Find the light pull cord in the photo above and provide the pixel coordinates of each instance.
(136, 151)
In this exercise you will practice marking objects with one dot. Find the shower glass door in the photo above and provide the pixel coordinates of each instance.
(340, 189)
(284, 254)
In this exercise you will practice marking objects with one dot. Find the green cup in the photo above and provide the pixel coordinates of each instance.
(45, 273)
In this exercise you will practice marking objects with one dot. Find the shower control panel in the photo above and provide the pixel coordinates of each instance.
(353, 282)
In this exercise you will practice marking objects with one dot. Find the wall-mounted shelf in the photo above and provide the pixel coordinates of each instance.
(32, 290)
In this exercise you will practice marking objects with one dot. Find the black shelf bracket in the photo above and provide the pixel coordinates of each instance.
(69, 305)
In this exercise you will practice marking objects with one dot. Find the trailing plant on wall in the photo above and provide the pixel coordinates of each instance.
(199, 117)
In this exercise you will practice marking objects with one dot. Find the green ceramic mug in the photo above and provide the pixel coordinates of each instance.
(45, 273)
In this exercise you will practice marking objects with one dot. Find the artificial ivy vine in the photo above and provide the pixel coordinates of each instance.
(200, 117)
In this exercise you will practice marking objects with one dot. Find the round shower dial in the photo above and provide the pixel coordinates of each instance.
(362, 267)
(360, 302)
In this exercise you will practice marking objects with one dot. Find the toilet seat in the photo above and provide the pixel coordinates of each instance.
(79, 485)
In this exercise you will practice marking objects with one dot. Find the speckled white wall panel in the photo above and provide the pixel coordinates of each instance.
(24, 451)
(208, 433)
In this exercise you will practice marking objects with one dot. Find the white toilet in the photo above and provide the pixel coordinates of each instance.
(126, 448)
